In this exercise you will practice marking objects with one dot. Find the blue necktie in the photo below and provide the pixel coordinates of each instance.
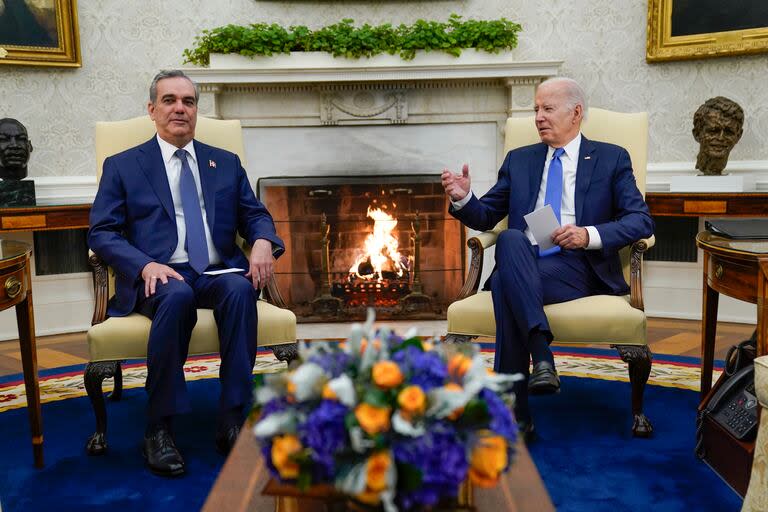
(553, 196)
(197, 247)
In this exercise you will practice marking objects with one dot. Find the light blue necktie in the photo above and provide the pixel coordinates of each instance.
(197, 247)
(553, 196)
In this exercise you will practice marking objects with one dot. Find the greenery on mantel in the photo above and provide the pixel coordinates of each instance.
(344, 39)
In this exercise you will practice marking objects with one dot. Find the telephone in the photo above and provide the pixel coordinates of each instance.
(734, 405)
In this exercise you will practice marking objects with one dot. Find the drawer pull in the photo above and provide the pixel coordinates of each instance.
(719, 271)
(12, 287)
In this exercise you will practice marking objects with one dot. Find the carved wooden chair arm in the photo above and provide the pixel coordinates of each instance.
(636, 270)
(100, 287)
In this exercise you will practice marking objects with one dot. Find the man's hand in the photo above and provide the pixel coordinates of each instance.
(261, 263)
(571, 237)
(152, 272)
(457, 186)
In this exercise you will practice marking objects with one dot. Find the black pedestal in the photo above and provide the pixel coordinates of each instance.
(17, 193)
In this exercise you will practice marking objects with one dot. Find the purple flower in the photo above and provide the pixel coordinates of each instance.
(424, 369)
(333, 363)
(441, 458)
(273, 406)
(502, 421)
(325, 434)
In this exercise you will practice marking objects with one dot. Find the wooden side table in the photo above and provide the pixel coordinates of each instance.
(16, 290)
(738, 269)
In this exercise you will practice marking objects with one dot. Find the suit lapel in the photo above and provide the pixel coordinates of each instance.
(151, 164)
(535, 171)
(207, 167)
(584, 168)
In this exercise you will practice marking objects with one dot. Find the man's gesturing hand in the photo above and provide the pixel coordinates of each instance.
(261, 263)
(457, 186)
(571, 237)
(154, 272)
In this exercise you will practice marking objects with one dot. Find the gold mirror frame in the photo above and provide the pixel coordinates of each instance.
(662, 46)
(65, 54)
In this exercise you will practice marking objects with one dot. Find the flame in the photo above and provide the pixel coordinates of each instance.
(380, 251)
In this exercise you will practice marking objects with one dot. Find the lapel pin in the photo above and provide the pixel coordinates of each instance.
(211, 163)
(585, 158)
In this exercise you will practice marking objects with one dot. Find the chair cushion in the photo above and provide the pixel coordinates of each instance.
(126, 337)
(597, 319)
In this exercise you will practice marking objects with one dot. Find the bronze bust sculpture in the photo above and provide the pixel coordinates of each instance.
(717, 127)
(15, 148)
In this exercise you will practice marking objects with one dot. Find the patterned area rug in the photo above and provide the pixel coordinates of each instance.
(667, 371)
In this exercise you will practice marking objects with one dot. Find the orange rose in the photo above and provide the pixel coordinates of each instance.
(412, 401)
(372, 419)
(387, 375)
(282, 448)
(452, 386)
(376, 478)
(328, 393)
(489, 458)
(458, 366)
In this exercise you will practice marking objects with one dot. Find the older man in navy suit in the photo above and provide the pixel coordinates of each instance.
(167, 212)
(591, 188)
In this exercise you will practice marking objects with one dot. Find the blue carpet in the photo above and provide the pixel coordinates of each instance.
(585, 454)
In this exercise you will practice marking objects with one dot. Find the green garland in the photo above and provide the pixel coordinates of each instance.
(343, 39)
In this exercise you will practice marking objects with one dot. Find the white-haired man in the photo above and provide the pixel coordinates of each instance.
(592, 190)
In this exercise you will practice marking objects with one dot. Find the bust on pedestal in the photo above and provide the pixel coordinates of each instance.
(15, 149)
(717, 126)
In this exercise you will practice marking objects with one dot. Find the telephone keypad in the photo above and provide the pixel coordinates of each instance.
(739, 415)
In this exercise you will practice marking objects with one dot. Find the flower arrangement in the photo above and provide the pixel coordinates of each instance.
(388, 420)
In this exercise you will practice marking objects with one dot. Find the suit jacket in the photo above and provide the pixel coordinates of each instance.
(606, 197)
(133, 220)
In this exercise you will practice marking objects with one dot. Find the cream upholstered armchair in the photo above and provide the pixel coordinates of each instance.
(756, 499)
(598, 320)
(111, 340)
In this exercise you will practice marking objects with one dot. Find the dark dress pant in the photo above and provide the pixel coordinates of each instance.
(173, 311)
(521, 284)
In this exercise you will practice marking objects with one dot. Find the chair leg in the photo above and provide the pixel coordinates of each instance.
(287, 352)
(639, 360)
(117, 390)
(95, 373)
(458, 338)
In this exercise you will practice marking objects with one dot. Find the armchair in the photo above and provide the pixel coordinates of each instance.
(111, 340)
(756, 499)
(610, 320)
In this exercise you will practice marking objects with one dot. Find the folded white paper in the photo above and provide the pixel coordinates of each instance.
(223, 271)
(542, 224)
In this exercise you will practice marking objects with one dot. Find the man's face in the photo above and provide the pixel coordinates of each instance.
(14, 146)
(557, 123)
(175, 111)
(718, 134)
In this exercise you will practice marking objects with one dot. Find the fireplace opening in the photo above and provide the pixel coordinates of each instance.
(365, 241)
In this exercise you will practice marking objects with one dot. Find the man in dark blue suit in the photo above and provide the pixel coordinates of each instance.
(166, 212)
(591, 188)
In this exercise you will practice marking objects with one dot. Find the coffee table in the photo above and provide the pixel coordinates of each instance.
(239, 486)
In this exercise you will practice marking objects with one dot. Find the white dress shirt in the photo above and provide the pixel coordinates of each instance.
(569, 161)
(173, 171)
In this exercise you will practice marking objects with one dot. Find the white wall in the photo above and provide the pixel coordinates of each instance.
(602, 44)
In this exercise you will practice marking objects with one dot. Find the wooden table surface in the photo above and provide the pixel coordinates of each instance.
(244, 475)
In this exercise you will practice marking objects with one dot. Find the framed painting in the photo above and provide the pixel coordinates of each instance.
(39, 33)
(694, 29)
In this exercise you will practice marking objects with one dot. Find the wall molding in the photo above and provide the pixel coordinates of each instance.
(660, 174)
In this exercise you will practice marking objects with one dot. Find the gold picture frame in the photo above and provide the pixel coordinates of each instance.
(42, 33)
(722, 38)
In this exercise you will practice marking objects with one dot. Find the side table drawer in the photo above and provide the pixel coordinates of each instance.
(13, 288)
(735, 278)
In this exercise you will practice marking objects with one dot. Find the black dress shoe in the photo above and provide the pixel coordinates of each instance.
(544, 379)
(527, 431)
(225, 439)
(161, 454)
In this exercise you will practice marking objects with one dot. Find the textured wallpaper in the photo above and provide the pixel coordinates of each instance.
(602, 44)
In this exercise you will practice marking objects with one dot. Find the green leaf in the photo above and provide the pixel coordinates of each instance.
(409, 478)
(376, 397)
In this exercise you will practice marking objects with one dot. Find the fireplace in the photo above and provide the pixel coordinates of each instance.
(354, 242)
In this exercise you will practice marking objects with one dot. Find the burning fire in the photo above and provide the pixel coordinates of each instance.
(380, 255)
